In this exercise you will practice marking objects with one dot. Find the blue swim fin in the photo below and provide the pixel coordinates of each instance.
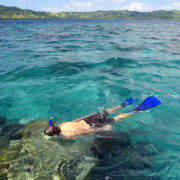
(148, 103)
(127, 102)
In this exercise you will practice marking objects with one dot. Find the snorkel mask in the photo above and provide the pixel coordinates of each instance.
(52, 130)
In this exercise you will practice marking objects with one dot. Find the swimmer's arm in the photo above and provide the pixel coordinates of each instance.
(109, 111)
(81, 118)
(122, 116)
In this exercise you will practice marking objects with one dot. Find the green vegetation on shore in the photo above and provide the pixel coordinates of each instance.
(17, 13)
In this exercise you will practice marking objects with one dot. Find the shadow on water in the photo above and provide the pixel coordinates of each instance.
(68, 68)
(121, 62)
(7, 131)
(71, 68)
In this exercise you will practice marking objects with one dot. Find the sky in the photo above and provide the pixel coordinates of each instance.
(93, 5)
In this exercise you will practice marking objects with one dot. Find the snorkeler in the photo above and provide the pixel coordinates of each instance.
(97, 122)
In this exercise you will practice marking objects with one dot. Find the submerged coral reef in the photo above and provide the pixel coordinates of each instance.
(26, 154)
(29, 155)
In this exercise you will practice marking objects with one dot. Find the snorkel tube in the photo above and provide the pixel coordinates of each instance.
(50, 122)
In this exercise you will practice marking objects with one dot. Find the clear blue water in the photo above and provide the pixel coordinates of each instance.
(71, 68)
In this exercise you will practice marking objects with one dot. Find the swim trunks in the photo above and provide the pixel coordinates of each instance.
(98, 120)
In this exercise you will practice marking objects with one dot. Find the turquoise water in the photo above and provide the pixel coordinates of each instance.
(71, 68)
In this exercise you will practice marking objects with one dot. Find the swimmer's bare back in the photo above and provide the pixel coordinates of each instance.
(69, 129)
(97, 122)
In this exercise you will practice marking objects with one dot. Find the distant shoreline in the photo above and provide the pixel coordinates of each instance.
(14, 13)
(163, 20)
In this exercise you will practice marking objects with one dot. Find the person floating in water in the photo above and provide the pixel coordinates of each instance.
(97, 122)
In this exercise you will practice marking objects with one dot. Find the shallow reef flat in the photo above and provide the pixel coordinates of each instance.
(25, 153)
(29, 155)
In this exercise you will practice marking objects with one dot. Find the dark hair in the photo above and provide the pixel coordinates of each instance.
(52, 130)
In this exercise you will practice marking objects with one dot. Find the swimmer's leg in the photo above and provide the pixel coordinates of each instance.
(122, 116)
(123, 104)
(148, 103)
(109, 111)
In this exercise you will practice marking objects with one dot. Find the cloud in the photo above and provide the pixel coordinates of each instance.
(174, 4)
(81, 4)
(118, 1)
(77, 6)
(72, 6)
(136, 7)
(25, 1)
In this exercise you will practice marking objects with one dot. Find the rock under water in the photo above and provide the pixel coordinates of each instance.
(31, 156)
(119, 158)
(26, 154)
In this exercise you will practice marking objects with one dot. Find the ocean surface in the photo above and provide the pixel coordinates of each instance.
(71, 68)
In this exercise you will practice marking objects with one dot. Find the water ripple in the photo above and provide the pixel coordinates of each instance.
(70, 68)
